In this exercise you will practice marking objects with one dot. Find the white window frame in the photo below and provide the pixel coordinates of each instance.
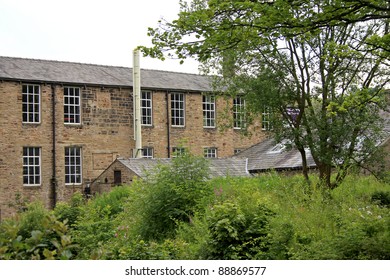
(31, 103)
(177, 109)
(146, 108)
(210, 152)
(178, 151)
(32, 166)
(72, 110)
(239, 119)
(73, 165)
(147, 152)
(265, 119)
(208, 102)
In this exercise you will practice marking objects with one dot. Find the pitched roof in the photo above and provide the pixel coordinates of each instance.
(35, 70)
(268, 155)
(219, 167)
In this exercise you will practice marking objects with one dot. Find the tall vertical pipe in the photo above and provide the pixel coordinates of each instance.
(54, 172)
(137, 103)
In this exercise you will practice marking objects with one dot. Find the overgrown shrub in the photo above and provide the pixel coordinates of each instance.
(35, 234)
(170, 195)
(70, 212)
(236, 234)
(382, 198)
(95, 224)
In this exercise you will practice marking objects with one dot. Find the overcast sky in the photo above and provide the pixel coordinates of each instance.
(87, 31)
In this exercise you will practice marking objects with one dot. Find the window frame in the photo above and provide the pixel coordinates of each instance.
(266, 119)
(178, 112)
(210, 152)
(35, 104)
(77, 166)
(239, 118)
(178, 151)
(209, 111)
(36, 166)
(148, 109)
(68, 106)
(147, 152)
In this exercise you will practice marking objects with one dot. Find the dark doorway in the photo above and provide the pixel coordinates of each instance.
(117, 177)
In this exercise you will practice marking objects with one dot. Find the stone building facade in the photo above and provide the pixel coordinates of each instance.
(62, 124)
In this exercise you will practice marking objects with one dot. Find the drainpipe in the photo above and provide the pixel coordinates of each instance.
(168, 126)
(54, 177)
(137, 103)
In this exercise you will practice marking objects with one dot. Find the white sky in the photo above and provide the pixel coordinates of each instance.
(87, 31)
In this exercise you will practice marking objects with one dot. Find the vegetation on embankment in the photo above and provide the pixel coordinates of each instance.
(177, 213)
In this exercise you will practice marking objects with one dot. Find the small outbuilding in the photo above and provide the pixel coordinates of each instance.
(123, 171)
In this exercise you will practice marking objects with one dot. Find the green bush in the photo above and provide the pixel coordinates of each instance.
(95, 223)
(70, 212)
(35, 234)
(169, 196)
(236, 234)
(382, 198)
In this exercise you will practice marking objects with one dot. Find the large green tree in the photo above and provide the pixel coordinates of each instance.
(320, 67)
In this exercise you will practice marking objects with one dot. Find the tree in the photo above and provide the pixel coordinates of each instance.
(320, 66)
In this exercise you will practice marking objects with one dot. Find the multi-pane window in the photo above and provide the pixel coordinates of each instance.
(72, 101)
(31, 99)
(265, 119)
(208, 111)
(177, 109)
(178, 151)
(73, 163)
(147, 152)
(239, 120)
(210, 152)
(146, 108)
(31, 166)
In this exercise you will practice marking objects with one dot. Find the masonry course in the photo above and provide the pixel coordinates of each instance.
(106, 128)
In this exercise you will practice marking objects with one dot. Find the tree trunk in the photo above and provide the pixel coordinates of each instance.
(305, 169)
(325, 175)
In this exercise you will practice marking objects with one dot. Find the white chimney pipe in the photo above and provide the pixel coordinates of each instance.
(137, 104)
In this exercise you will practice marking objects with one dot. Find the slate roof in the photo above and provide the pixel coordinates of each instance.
(267, 155)
(219, 167)
(35, 70)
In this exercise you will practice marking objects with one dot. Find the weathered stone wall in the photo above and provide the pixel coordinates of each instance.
(193, 135)
(105, 133)
(105, 182)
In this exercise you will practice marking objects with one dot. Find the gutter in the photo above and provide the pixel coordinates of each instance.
(168, 125)
(53, 180)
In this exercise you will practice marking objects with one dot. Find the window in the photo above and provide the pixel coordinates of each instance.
(265, 119)
(72, 105)
(210, 152)
(177, 109)
(147, 152)
(73, 165)
(208, 111)
(239, 113)
(146, 108)
(178, 151)
(31, 99)
(31, 166)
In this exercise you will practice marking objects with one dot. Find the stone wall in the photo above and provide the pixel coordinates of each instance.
(105, 133)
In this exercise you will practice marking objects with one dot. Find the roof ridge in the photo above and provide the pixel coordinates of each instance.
(95, 64)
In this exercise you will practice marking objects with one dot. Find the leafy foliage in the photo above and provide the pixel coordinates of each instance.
(170, 195)
(35, 234)
(313, 58)
(266, 217)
